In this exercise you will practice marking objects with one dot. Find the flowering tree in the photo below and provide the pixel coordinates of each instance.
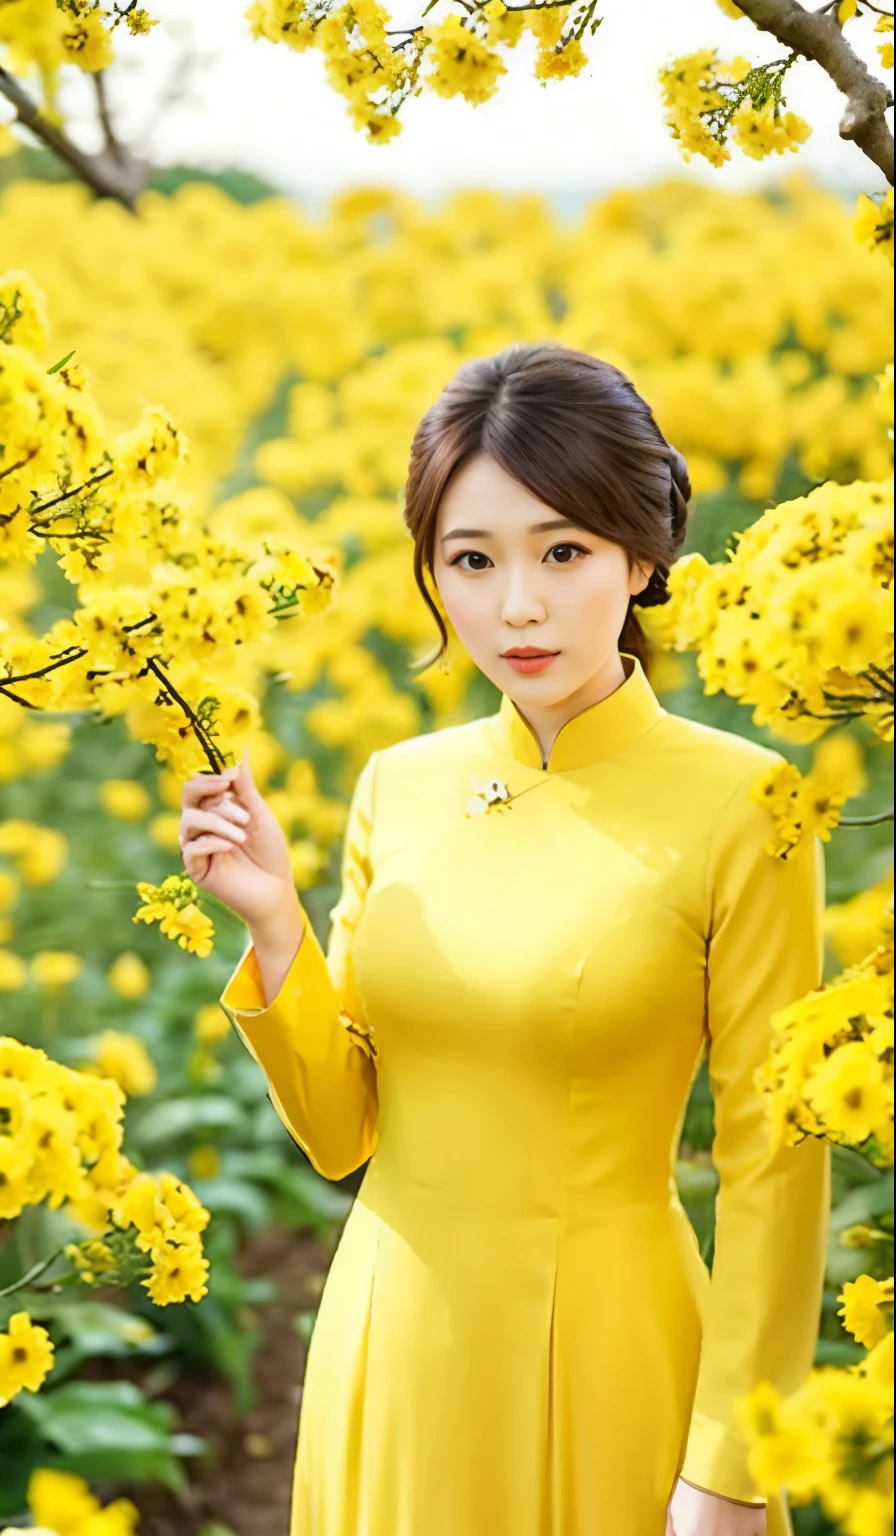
(378, 67)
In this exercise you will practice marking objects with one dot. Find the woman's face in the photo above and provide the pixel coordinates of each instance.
(513, 573)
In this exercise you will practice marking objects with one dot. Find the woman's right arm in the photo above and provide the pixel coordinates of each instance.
(296, 1011)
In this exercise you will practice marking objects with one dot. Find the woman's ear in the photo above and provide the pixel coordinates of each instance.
(639, 576)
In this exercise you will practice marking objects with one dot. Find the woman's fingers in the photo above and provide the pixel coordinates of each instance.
(201, 846)
(195, 822)
(197, 790)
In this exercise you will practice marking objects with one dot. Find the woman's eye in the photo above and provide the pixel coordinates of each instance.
(576, 549)
(471, 554)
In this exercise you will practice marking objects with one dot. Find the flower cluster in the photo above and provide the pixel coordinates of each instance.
(798, 622)
(709, 101)
(156, 647)
(807, 1442)
(803, 805)
(38, 34)
(60, 1142)
(174, 905)
(61, 1504)
(830, 1071)
(377, 68)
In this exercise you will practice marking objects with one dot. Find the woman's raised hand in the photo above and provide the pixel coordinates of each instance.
(234, 847)
(696, 1512)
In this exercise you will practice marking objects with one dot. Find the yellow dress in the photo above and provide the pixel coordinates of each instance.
(518, 1336)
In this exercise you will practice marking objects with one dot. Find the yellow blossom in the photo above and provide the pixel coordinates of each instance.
(125, 1058)
(129, 976)
(54, 969)
(126, 799)
(26, 1357)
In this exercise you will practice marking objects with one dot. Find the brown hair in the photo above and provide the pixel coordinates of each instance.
(575, 432)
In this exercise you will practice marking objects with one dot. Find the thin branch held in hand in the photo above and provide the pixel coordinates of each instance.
(215, 759)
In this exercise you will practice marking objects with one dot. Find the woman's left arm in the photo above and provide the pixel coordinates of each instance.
(765, 950)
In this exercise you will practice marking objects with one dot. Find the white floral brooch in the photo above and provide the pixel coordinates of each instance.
(491, 795)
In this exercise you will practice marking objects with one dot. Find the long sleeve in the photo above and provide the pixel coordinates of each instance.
(765, 950)
(311, 1040)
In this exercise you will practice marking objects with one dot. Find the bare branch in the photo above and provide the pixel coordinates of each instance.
(817, 35)
(108, 176)
(114, 148)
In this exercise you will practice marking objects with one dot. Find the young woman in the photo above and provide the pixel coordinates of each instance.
(546, 916)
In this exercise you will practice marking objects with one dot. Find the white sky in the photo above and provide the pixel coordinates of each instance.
(263, 108)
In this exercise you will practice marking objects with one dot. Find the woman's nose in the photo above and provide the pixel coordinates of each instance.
(521, 603)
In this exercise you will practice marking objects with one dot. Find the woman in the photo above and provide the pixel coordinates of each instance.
(518, 1336)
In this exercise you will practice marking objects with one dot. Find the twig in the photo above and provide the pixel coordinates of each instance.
(113, 146)
(215, 760)
(67, 495)
(817, 36)
(32, 1274)
(101, 172)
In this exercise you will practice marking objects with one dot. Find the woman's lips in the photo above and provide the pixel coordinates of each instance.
(531, 663)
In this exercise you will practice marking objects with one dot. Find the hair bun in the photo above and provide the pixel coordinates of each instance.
(680, 493)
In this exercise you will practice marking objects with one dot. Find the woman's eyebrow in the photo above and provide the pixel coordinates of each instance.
(484, 533)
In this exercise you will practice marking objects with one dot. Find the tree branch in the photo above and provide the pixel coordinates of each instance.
(104, 173)
(818, 36)
(114, 149)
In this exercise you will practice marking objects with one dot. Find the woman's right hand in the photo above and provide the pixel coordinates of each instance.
(234, 847)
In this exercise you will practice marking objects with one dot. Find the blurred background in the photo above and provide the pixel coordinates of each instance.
(295, 297)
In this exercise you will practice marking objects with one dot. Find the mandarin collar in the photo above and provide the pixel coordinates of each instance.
(594, 733)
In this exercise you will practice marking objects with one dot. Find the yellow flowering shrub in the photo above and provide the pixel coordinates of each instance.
(61, 1133)
(831, 1069)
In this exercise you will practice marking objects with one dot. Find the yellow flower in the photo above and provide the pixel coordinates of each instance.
(87, 43)
(56, 968)
(885, 24)
(761, 131)
(463, 64)
(204, 1162)
(63, 1503)
(873, 224)
(128, 976)
(864, 1310)
(13, 972)
(15, 1178)
(26, 1357)
(211, 1024)
(127, 799)
(846, 10)
(126, 1060)
(179, 1272)
(40, 852)
(191, 928)
(139, 22)
(848, 1091)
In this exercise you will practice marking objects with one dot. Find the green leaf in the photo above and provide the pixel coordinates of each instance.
(863, 1204)
(62, 361)
(838, 1352)
(176, 1118)
(91, 1416)
(234, 1197)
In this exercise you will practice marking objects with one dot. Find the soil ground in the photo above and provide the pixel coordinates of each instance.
(247, 1489)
